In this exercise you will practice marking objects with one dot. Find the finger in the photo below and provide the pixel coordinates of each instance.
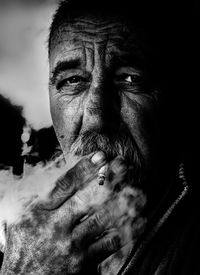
(105, 246)
(75, 179)
(117, 172)
(92, 227)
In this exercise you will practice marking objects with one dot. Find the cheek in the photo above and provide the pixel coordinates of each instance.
(67, 117)
(139, 115)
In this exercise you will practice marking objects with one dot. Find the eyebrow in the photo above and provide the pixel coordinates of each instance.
(129, 60)
(62, 66)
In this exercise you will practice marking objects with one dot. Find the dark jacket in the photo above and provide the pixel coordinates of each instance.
(171, 246)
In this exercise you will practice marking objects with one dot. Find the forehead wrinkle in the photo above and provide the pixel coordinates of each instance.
(89, 58)
(90, 30)
(100, 31)
(73, 49)
(99, 56)
(94, 24)
(100, 28)
(85, 58)
(101, 37)
(122, 44)
(95, 20)
(109, 42)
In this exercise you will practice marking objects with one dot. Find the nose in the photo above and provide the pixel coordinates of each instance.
(102, 109)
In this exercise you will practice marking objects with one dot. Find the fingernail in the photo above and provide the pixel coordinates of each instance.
(98, 157)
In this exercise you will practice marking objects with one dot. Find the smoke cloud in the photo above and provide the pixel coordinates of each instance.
(17, 195)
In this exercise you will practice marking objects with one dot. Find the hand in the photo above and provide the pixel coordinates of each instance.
(78, 222)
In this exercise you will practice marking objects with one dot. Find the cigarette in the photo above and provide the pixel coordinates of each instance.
(102, 174)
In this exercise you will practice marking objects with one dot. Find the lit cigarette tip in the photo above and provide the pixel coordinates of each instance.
(102, 174)
(101, 179)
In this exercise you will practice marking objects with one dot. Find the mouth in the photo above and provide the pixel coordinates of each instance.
(120, 144)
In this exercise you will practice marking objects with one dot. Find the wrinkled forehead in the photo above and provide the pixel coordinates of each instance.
(112, 34)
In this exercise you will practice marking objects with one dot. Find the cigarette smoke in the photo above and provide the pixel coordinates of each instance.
(17, 195)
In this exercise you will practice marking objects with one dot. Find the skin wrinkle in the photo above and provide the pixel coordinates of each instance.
(105, 52)
(110, 50)
(91, 34)
(84, 56)
(96, 53)
(134, 119)
(96, 23)
(97, 73)
(90, 30)
(99, 61)
(94, 28)
(77, 123)
(89, 42)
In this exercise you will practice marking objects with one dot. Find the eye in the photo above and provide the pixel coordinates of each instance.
(129, 78)
(72, 81)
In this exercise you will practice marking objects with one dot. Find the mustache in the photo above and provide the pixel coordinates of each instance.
(113, 145)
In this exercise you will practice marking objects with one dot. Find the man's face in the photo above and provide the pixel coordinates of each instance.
(100, 95)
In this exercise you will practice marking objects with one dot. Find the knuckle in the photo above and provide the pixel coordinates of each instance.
(77, 174)
(93, 224)
(112, 243)
(100, 218)
(85, 165)
(84, 168)
(62, 183)
(97, 222)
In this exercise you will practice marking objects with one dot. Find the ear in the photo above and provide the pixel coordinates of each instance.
(2, 236)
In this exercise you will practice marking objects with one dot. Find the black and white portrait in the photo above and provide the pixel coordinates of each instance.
(98, 143)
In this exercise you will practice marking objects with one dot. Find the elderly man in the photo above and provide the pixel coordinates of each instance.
(121, 208)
